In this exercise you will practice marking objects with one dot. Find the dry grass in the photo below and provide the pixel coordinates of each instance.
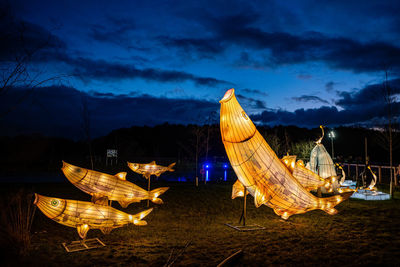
(16, 215)
(364, 232)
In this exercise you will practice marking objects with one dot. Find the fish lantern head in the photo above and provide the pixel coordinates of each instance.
(50, 206)
(233, 118)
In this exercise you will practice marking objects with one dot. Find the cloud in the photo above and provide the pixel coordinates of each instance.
(22, 40)
(57, 111)
(115, 31)
(281, 48)
(252, 102)
(111, 71)
(329, 86)
(255, 91)
(365, 106)
(310, 98)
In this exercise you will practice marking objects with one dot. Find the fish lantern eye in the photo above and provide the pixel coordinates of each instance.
(54, 202)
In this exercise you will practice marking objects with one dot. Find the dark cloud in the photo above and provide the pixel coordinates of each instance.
(329, 86)
(57, 111)
(114, 30)
(281, 48)
(111, 71)
(252, 102)
(370, 95)
(310, 98)
(304, 76)
(203, 47)
(22, 40)
(365, 106)
(255, 91)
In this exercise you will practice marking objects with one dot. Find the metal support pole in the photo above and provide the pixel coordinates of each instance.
(243, 216)
(148, 189)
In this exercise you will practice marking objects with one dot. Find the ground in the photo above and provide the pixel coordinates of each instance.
(363, 232)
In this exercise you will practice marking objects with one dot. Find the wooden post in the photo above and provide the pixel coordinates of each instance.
(394, 175)
(197, 181)
(356, 171)
(348, 170)
(380, 174)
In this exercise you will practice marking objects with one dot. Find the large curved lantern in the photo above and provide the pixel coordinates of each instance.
(103, 187)
(259, 169)
(84, 215)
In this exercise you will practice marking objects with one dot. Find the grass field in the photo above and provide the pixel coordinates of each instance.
(363, 232)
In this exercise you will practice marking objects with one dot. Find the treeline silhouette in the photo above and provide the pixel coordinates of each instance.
(167, 143)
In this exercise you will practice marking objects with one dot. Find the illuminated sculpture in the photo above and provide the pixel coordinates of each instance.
(373, 181)
(308, 179)
(149, 169)
(320, 161)
(103, 187)
(343, 173)
(259, 169)
(86, 215)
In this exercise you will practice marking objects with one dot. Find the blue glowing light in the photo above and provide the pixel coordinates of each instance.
(206, 175)
(225, 175)
(225, 165)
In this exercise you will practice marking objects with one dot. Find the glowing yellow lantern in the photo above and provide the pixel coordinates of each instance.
(84, 215)
(259, 169)
(238, 190)
(149, 169)
(321, 162)
(103, 187)
(308, 179)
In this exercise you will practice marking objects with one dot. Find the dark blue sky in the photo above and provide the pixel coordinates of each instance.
(147, 62)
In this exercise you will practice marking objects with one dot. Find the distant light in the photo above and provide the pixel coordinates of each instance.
(331, 134)
(225, 165)
(207, 166)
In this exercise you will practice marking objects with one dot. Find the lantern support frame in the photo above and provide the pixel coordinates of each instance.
(244, 227)
(84, 244)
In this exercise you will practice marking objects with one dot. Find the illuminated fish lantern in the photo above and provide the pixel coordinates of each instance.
(238, 190)
(260, 170)
(321, 162)
(149, 169)
(103, 187)
(84, 215)
(308, 179)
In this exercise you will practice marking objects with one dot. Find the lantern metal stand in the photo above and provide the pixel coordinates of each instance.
(244, 227)
(84, 244)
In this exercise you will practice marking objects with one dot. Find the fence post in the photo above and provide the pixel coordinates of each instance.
(380, 174)
(356, 171)
(394, 175)
(348, 170)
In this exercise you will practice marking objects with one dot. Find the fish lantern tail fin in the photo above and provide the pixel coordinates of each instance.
(328, 204)
(170, 166)
(154, 194)
(137, 218)
(330, 183)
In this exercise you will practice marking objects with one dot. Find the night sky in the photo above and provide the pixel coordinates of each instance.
(301, 63)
